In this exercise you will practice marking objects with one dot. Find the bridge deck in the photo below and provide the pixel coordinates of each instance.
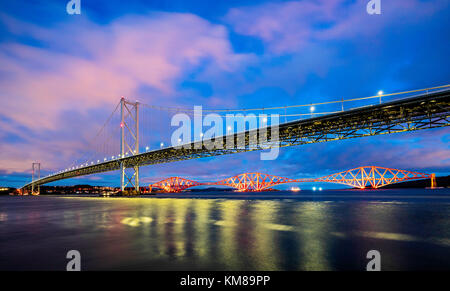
(420, 112)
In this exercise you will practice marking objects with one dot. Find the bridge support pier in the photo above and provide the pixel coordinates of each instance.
(433, 181)
(35, 175)
(136, 178)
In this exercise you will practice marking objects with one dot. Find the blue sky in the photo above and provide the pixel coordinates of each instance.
(61, 75)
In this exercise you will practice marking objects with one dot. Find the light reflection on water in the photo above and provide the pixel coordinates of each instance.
(220, 234)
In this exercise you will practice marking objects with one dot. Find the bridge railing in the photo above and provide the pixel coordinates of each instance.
(341, 104)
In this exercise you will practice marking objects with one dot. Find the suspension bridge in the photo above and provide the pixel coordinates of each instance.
(132, 136)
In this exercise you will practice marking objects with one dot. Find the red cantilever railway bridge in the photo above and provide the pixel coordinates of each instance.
(362, 177)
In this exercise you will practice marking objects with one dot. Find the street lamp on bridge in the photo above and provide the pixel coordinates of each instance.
(312, 108)
(380, 93)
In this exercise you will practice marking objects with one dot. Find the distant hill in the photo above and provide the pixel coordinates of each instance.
(440, 181)
(6, 190)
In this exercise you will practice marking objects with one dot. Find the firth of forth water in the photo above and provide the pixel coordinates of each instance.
(327, 230)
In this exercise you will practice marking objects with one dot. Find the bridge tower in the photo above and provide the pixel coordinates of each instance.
(433, 181)
(129, 142)
(35, 175)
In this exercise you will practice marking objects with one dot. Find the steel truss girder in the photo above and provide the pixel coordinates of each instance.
(374, 177)
(253, 181)
(175, 184)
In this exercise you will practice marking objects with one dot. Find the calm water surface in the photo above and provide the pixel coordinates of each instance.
(330, 230)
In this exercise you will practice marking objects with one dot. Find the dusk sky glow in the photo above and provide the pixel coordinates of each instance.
(62, 75)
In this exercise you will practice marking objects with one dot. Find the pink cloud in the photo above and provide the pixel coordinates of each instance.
(82, 66)
(285, 27)
(291, 26)
(130, 53)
